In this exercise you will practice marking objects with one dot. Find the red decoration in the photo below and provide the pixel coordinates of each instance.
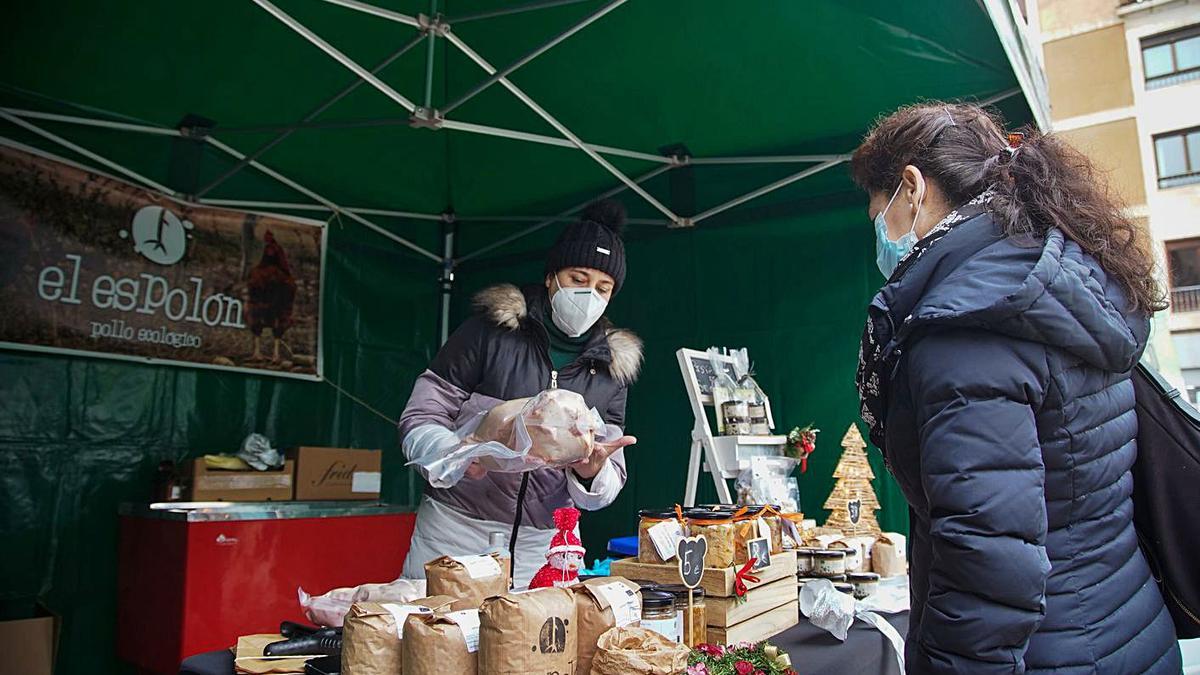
(565, 556)
(743, 575)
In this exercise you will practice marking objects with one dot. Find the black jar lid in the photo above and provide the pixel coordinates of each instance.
(680, 591)
(829, 553)
(861, 577)
(848, 589)
(657, 513)
(657, 600)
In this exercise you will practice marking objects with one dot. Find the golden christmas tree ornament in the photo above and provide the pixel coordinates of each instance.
(853, 502)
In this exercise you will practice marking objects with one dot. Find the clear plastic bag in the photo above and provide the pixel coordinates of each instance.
(553, 429)
(769, 481)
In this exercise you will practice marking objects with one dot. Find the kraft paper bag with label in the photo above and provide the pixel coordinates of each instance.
(248, 656)
(440, 644)
(887, 556)
(373, 634)
(529, 633)
(468, 579)
(601, 604)
(638, 651)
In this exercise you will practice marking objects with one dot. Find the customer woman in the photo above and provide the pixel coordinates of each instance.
(519, 343)
(995, 377)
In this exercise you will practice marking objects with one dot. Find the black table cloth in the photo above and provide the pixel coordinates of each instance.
(865, 652)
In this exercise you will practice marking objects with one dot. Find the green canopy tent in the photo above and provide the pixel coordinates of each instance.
(443, 140)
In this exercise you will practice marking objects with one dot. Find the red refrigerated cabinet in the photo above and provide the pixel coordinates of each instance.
(192, 580)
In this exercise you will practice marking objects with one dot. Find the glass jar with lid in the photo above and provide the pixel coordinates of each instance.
(717, 528)
(648, 518)
(693, 621)
(828, 562)
(659, 615)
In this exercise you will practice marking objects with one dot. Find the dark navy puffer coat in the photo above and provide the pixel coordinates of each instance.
(1010, 427)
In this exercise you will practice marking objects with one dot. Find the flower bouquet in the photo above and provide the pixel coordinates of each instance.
(801, 442)
(743, 658)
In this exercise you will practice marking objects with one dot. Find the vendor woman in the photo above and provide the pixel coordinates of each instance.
(519, 342)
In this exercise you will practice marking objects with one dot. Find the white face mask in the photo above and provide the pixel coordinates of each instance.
(574, 310)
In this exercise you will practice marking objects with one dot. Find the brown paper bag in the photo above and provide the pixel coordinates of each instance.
(887, 559)
(596, 600)
(529, 633)
(372, 637)
(466, 580)
(638, 651)
(440, 644)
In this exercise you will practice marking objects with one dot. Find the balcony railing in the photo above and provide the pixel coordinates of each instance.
(1185, 299)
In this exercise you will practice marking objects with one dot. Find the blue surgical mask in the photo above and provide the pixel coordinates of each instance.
(888, 253)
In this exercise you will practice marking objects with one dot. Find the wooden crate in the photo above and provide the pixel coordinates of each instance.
(761, 627)
(723, 612)
(717, 581)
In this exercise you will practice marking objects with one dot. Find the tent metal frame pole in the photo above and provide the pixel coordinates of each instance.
(295, 206)
(378, 11)
(558, 126)
(429, 54)
(621, 187)
(720, 208)
(346, 91)
(765, 159)
(78, 149)
(536, 52)
(529, 7)
(318, 198)
(92, 122)
(991, 100)
(486, 130)
(332, 51)
(556, 219)
(447, 281)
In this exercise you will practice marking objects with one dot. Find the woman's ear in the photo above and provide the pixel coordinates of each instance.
(914, 186)
(548, 278)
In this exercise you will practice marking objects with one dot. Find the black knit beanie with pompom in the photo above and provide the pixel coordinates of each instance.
(594, 241)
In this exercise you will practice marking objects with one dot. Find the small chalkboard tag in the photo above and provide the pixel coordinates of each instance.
(760, 550)
(854, 508)
(691, 553)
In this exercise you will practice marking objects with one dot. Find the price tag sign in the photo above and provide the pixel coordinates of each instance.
(666, 536)
(691, 553)
(760, 550)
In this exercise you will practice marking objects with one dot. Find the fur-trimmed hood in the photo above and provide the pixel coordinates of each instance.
(506, 306)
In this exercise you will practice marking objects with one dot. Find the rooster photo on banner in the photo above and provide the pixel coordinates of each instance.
(96, 265)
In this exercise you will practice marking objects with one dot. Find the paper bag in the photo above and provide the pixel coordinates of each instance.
(440, 644)
(638, 651)
(373, 634)
(601, 604)
(248, 658)
(887, 555)
(468, 579)
(529, 633)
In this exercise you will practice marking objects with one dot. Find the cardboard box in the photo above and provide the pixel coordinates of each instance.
(216, 485)
(29, 645)
(337, 473)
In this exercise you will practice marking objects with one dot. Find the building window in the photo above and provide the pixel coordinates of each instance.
(1172, 57)
(1183, 273)
(1178, 157)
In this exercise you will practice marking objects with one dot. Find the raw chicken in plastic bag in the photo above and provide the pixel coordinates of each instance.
(553, 429)
(329, 609)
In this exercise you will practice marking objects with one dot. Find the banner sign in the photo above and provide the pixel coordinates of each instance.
(92, 264)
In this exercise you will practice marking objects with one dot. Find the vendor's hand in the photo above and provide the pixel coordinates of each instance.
(588, 468)
(475, 470)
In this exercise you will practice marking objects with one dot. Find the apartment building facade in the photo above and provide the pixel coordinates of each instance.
(1124, 84)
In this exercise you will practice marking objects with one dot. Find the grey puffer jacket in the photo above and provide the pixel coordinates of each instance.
(1010, 427)
(502, 353)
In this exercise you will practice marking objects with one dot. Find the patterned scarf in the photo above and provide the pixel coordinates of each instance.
(877, 355)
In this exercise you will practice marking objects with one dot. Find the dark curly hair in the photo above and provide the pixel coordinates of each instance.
(1046, 184)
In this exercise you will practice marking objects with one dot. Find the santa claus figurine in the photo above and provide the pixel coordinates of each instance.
(565, 557)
